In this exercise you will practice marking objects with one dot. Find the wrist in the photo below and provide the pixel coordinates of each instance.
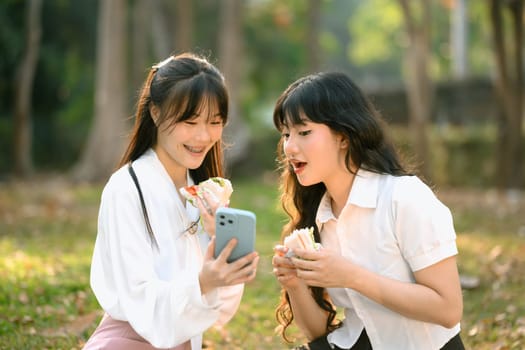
(297, 288)
(205, 288)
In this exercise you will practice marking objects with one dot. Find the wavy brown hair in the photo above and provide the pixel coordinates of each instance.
(334, 100)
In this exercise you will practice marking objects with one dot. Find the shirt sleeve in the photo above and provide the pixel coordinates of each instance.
(165, 313)
(423, 225)
(230, 300)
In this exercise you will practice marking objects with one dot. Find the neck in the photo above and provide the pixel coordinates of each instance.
(339, 191)
(176, 172)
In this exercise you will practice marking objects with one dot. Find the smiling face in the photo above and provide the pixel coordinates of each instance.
(183, 145)
(315, 152)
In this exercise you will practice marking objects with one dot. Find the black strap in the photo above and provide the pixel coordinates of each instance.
(143, 205)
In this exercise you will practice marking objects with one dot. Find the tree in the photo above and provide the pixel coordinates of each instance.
(458, 39)
(230, 55)
(419, 85)
(509, 89)
(24, 89)
(141, 37)
(312, 35)
(162, 45)
(105, 142)
(184, 26)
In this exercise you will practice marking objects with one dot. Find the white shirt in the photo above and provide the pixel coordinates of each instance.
(156, 291)
(392, 226)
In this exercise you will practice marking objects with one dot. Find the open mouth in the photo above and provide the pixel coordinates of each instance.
(297, 166)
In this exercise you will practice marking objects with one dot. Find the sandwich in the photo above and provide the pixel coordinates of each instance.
(301, 238)
(219, 189)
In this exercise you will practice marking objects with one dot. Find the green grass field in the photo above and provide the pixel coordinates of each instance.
(47, 231)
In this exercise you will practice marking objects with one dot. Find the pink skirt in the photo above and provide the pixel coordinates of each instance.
(119, 335)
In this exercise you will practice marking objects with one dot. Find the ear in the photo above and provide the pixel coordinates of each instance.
(343, 142)
(154, 112)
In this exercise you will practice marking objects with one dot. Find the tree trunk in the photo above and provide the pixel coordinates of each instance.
(24, 89)
(105, 143)
(162, 44)
(312, 36)
(141, 35)
(184, 26)
(419, 84)
(236, 134)
(458, 39)
(509, 89)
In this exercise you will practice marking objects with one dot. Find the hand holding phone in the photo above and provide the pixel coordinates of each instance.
(234, 223)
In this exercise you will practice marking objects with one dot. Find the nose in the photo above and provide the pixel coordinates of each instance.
(289, 146)
(203, 133)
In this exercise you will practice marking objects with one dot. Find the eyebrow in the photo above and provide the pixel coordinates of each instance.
(218, 114)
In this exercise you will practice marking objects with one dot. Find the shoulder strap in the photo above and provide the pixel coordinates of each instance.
(143, 205)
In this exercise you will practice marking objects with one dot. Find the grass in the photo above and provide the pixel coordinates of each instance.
(47, 231)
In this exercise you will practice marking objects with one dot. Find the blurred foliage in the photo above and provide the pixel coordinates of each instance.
(63, 86)
(461, 156)
(354, 37)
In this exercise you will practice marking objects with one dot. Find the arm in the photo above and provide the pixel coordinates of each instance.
(435, 297)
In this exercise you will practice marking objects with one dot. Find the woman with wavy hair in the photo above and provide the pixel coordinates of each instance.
(388, 252)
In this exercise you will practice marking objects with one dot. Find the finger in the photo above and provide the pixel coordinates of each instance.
(246, 273)
(251, 270)
(253, 266)
(302, 264)
(284, 272)
(307, 254)
(285, 278)
(280, 261)
(245, 268)
(203, 208)
(245, 261)
(210, 250)
(243, 279)
(280, 250)
(210, 203)
(227, 250)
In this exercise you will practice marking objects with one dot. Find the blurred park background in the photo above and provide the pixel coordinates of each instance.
(447, 76)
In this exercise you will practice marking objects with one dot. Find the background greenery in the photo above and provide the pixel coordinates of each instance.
(354, 37)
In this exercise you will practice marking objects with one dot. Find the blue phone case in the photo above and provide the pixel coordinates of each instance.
(234, 223)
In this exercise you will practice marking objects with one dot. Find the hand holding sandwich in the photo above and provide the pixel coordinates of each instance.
(301, 259)
(323, 268)
(208, 195)
(293, 246)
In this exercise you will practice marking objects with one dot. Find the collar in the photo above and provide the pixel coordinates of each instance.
(365, 189)
(363, 194)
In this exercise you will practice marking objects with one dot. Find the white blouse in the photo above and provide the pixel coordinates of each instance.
(392, 226)
(156, 290)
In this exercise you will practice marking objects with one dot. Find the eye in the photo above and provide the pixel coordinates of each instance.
(216, 121)
(190, 122)
(305, 132)
(285, 135)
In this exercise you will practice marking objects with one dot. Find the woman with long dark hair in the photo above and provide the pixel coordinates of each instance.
(388, 251)
(153, 270)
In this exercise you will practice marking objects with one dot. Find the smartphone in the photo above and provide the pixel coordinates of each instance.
(234, 223)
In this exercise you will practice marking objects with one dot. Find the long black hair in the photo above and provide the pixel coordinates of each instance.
(335, 100)
(178, 86)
